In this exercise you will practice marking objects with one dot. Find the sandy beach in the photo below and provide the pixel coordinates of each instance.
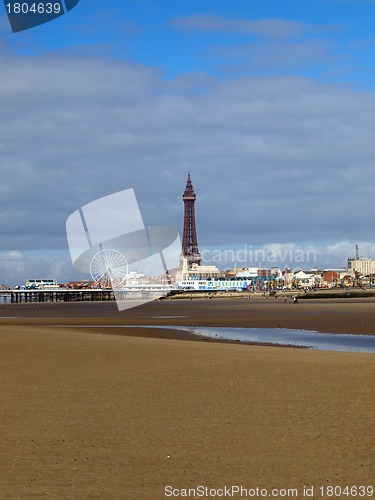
(130, 413)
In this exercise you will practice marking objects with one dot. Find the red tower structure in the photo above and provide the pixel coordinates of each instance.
(189, 238)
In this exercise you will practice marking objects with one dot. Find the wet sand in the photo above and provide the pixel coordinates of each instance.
(90, 414)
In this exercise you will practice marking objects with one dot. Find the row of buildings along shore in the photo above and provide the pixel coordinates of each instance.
(360, 273)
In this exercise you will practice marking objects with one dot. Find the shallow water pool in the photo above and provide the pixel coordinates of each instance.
(284, 336)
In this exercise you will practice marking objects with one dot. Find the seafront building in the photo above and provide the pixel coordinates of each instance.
(364, 267)
(190, 262)
(189, 237)
(196, 271)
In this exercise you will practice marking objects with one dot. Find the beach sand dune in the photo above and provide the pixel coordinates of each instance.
(89, 415)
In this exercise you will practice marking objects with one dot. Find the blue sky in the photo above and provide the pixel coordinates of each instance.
(269, 104)
(212, 36)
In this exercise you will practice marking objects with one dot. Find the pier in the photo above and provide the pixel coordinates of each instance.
(25, 296)
(82, 295)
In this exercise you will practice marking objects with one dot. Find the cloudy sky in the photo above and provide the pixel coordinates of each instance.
(270, 105)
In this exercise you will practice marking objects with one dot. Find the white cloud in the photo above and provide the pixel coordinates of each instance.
(16, 267)
(265, 28)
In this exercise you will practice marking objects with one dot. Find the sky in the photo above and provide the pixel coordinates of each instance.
(269, 105)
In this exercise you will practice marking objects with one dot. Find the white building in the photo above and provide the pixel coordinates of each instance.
(249, 272)
(303, 279)
(364, 267)
(196, 271)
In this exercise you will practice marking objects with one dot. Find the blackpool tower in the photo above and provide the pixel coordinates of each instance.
(189, 239)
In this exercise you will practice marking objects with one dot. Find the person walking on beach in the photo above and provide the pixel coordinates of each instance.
(295, 300)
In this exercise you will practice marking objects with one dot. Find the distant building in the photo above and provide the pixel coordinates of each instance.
(303, 280)
(331, 277)
(364, 267)
(195, 271)
(246, 272)
(189, 237)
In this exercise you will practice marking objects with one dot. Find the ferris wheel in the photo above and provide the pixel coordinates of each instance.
(109, 268)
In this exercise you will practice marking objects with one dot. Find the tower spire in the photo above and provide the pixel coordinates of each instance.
(189, 238)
